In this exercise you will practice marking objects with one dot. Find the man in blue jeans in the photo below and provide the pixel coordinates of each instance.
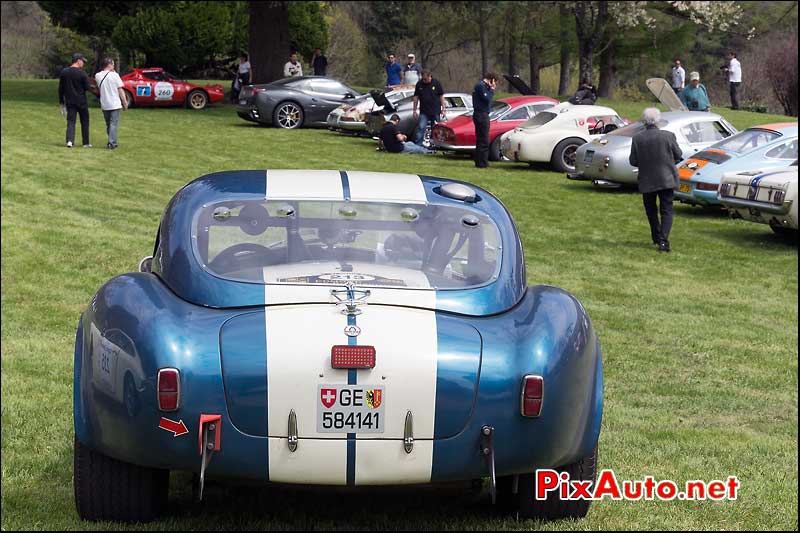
(429, 97)
(395, 142)
(112, 99)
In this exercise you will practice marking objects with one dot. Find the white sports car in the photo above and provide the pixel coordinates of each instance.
(554, 135)
(764, 196)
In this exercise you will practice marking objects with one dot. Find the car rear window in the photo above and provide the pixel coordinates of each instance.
(539, 119)
(330, 243)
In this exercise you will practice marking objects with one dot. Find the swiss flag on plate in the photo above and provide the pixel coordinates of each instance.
(327, 397)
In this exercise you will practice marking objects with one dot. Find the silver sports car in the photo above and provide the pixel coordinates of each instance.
(604, 161)
(351, 117)
(455, 104)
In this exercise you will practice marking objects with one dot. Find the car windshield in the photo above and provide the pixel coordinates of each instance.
(747, 140)
(330, 243)
(539, 119)
(498, 108)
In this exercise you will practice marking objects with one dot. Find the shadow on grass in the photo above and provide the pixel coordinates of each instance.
(297, 506)
(760, 240)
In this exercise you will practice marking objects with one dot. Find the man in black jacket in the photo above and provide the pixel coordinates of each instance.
(72, 86)
(656, 153)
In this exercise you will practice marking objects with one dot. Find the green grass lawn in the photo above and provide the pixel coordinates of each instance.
(700, 345)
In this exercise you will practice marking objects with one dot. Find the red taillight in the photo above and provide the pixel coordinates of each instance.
(344, 356)
(257, 90)
(169, 389)
(532, 394)
(707, 186)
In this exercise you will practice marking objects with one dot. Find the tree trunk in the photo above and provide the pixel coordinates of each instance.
(512, 46)
(269, 40)
(590, 23)
(608, 71)
(484, 31)
(563, 82)
(534, 61)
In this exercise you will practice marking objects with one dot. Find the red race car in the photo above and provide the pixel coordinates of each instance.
(157, 87)
(458, 134)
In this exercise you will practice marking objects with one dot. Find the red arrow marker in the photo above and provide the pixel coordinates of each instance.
(178, 428)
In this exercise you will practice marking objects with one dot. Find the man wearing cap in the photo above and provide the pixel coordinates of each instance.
(412, 72)
(695, 96)
(72, 86)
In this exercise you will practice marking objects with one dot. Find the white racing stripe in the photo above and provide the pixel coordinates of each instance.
(299, 340)
(304, 185)
(381, 186)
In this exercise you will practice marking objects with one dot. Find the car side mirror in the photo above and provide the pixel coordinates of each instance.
(146, 264)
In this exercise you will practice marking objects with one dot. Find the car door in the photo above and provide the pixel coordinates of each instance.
(325, 95)
(177, 89)
(144, 86)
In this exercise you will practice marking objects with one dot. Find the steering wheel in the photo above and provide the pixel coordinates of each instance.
(244, 255)
(598, 126)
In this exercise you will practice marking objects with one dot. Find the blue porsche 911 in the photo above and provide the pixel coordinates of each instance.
(332, 328)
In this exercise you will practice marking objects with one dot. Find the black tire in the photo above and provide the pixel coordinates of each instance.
(553, 508)
(197, 100)
(288, 115)
(108, 489)
(563, 158)
(786, 233)
(494, 150)
(129, 98)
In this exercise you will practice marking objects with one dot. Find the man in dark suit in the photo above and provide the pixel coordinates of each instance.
(656, 153)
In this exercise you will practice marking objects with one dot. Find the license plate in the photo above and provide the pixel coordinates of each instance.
(350, 408)
(242, 102)
(685, 188)
(588, 157)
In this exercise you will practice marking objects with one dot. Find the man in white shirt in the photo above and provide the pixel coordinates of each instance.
(678, 77)
(112, 99)
(734, 70)
(292, 68)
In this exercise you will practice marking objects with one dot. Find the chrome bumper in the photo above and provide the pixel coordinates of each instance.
(452, 147)
(741, 203)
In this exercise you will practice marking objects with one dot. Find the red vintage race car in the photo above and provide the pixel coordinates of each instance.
(458, 134)
(157, 87)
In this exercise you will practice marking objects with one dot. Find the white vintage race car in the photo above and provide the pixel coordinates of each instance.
(554, 135)
(764, 196)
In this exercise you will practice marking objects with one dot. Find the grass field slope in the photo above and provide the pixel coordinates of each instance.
(699, 345)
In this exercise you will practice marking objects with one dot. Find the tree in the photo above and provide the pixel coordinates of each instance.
(565, 25)
(307, 27)
(95, 20)
(590, 24)
(269, 39)
(181, 36)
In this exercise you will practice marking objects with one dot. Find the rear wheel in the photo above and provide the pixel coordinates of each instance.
(129, 98)
(553, 508)
(197, 99)
(108, 489)
(563, 158)
(494, 150)
(288, 115)
(785, 233)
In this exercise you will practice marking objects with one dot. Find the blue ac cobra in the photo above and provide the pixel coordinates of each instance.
(332, 328)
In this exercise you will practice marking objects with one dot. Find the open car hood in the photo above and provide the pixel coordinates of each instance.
(518, 84)
(664, 93)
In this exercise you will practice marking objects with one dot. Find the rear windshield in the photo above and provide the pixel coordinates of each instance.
(539, 119)
(331, 243)
(747, 140)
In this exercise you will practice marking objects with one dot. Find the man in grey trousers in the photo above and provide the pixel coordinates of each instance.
(656, 153)
(112, 99)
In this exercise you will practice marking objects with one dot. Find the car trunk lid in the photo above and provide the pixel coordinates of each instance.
(278, 360)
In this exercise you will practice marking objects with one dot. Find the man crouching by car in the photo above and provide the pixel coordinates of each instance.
(395, 142)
